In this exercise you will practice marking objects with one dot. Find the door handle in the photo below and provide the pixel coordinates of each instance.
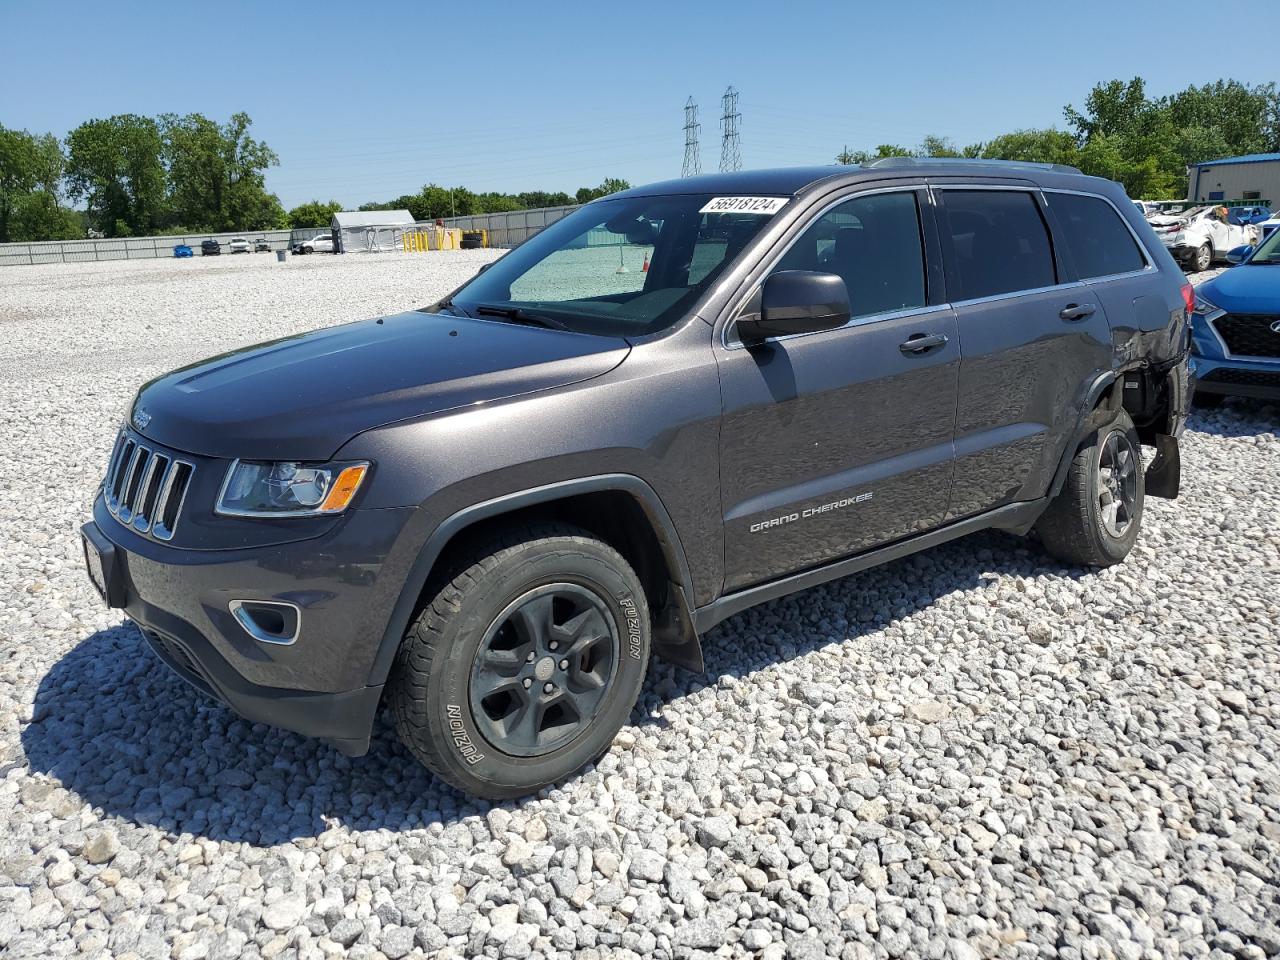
(1077, 311)
(919, 343)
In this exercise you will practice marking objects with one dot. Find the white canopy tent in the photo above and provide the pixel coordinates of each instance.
(370, 231)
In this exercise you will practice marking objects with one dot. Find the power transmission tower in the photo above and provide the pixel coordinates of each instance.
(692, 154)
(730, 144)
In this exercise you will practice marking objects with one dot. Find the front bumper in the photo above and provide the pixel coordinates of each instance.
(319, 684)
(1216, 371)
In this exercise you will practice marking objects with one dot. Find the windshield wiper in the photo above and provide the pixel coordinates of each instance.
(520, 315)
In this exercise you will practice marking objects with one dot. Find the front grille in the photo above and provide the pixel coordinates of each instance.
(145, 487)
(1249, 378)
(1249, 334)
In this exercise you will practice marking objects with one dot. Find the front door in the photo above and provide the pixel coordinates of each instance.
(836, 442)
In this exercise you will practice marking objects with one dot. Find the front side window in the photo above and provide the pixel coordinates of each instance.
(1100, 244)
(996, 243)
(623, 267)
(873, 242)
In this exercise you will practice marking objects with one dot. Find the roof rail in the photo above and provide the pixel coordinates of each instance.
(914, 161)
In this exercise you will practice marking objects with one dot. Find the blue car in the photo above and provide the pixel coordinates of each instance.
(182, 250)
(1235, 329)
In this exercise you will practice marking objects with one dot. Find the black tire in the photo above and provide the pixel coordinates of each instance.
(1203, 258)
(1076, 528)
(438, 679)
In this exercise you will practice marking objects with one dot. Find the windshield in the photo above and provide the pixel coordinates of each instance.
(623, 267)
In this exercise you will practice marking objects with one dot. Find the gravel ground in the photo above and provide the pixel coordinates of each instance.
(969, 753)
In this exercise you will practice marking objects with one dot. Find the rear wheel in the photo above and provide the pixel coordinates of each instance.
(524, 664)
(1204, 257)
(1095, 518)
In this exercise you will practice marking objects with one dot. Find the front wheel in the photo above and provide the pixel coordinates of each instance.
(524, 664)
(1094, 519)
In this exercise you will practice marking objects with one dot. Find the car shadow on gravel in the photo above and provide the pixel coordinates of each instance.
(116, 726)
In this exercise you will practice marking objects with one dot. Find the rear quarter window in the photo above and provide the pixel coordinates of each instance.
(1097, 239)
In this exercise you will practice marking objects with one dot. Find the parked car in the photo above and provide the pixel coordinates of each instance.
(182, 250)
(1202, 235)
(261, 245)
(1148, 208)
(238, 245)
(1248, 215)
(1236, 327)
(1266, 228)
(489, 512)
(210, 248)
(320, 243)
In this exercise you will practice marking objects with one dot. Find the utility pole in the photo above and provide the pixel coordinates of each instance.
(692, 153)
(730, 144)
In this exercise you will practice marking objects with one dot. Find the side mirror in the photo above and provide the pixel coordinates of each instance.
(1239, 254)
(797, 301)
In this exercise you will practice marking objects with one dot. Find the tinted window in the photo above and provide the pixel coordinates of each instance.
(874, 244)
(1100, 243)
(998, 243)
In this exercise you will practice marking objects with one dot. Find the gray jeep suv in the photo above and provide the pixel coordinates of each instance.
(677, 402)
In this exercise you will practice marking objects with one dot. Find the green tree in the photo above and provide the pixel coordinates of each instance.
(116, 167)
(1033, 146)
(217, 173)
(883, 151)
(18, 167)
(608, 186)
(313, 214)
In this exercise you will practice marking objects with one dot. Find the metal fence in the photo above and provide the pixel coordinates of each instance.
(504, 230)
(514, 227)
(137, 248)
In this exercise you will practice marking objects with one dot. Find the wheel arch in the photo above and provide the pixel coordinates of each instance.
(620, 509)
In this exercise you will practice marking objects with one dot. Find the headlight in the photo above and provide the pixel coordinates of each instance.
(256, 489)
(1204, 306)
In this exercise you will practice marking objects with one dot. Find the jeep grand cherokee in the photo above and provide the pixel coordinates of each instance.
(676, 402)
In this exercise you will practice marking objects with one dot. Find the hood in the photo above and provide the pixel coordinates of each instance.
(1246, 289)
(303, 397)
(1165, 220)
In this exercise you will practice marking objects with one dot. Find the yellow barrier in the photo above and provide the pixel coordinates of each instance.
(436, 238)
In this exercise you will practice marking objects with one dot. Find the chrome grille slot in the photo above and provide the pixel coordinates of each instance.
(149, 490)
(145, 488)
(169, 501)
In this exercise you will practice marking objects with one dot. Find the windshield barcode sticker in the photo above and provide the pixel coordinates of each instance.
(764, 206)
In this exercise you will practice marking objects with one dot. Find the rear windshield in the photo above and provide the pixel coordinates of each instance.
(624, 267)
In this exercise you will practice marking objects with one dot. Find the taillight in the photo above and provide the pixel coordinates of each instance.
(1189, 297)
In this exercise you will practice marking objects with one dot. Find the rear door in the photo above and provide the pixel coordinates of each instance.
(1105, 253)
(838, 441)
(1032, 338)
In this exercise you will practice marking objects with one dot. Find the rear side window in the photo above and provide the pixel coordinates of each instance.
(873, 242)
(1100, 244)
(998, 243)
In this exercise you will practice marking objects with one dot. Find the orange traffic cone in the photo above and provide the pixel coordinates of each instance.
(645, 267)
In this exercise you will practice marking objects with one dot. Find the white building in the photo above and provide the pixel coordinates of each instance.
(1252, 179)
(356, 231)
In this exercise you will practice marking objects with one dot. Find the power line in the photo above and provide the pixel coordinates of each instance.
(730, 143)
(692, 153)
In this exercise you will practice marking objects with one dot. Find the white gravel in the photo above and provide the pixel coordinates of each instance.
(969, 753)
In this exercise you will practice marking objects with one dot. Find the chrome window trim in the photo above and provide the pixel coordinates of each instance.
(1148, 267)
(1069, 285)
(736, 310)
(246, 622)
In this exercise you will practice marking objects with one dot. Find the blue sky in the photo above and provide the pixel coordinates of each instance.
(369, 101)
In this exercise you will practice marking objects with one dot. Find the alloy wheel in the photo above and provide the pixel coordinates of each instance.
(1118, 464)
(544, 668)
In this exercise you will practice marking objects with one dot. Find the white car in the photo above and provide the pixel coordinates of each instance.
(1148, 208)
(238, 245)
(1201, 235)
(320, 243)
(1268, 227)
